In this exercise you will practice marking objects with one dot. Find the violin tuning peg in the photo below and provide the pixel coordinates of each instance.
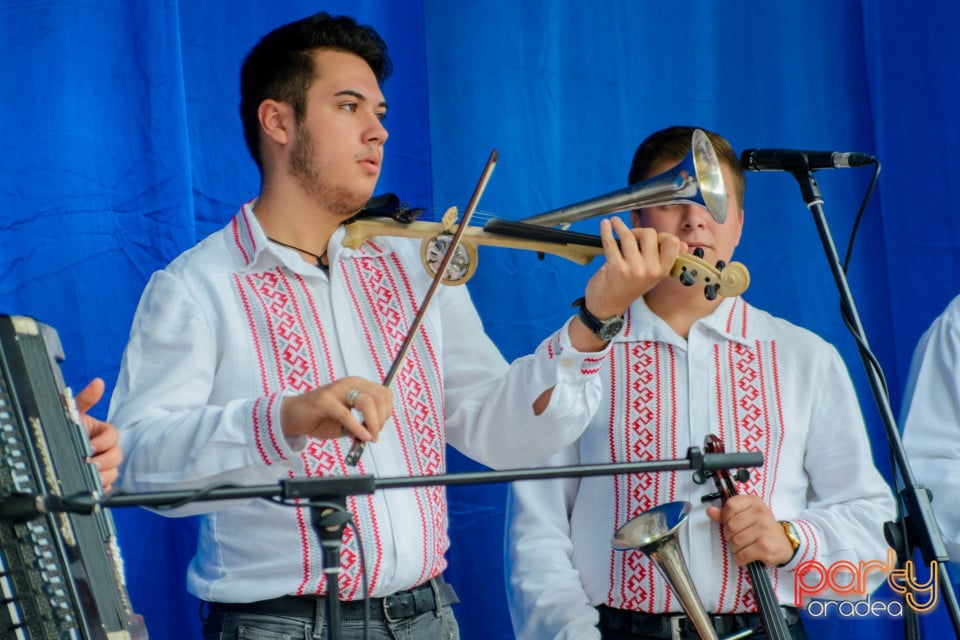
(710, 497)
(742, 475)
(698, 252)
(711, 290)
(687, 278)
(720, 265)
(449, 219)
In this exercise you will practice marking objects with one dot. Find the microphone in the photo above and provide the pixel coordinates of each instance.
(23, 507)
(793, 160)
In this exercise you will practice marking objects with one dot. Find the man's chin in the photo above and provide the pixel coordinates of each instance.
(347, 206)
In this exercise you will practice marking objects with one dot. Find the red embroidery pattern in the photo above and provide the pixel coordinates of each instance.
(287, 335)
(748, 404)
(745, 407)
(554, 347)
(242, 236)
(722, 366)
(748, 434)
(774, 445)
(649, 368)
(261, 432)
(812, 548)
(591, 365)
(387, 303)
(755, 413)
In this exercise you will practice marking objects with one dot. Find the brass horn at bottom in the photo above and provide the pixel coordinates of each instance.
(654, 532)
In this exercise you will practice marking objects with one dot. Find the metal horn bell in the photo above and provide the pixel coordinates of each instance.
(654, 532)
(696, 180)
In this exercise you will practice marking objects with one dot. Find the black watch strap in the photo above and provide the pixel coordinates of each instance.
(606, 330)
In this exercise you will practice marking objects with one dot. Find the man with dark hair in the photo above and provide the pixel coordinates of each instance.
(257, 356)
(686, 366)
(282, 66)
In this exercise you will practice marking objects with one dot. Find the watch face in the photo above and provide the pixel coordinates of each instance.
(604, 329)
(610, 329)
(791, 534)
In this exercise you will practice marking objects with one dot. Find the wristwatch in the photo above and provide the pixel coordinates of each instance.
(606, 330)
(790, 531)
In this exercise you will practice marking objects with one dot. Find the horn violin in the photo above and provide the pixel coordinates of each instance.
(722, 279)
(696, 180)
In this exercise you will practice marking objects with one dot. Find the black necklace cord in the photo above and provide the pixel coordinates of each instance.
(318, 257)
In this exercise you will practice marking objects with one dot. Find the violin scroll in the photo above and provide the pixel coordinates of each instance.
(727, 280)
(721, 477)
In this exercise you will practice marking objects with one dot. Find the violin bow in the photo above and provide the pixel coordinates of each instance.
(358, 447)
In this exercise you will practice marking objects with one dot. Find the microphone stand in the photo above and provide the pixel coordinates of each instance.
(919, 522)
(329, 523)
(326, 494)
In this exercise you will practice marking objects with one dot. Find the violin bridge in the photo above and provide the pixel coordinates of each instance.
(449, 220)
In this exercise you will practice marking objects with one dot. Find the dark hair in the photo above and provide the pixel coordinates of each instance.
(281, 66)
(673, 144)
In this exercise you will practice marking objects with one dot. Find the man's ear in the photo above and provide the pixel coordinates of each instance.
(276, 121)
(740, 231)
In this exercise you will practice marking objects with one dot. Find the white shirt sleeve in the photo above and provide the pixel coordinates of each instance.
(931, 421)
(543, 586)
(497, 426)
(846, 496)
(171, 432)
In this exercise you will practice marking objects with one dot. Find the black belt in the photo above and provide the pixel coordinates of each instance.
(397, 606)
(679, 626)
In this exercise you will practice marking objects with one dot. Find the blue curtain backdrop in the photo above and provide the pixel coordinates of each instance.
(120, 147)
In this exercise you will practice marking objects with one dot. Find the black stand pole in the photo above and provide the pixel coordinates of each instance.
(328, 489)
(327, 498)
(919, 520)
(329, 518)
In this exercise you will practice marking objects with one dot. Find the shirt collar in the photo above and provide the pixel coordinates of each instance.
(728, 321)
(255, 252)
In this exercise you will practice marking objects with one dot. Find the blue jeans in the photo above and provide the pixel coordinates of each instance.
(432, 625)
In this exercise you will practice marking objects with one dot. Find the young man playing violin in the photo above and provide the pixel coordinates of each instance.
(685, 366)
(258, 356)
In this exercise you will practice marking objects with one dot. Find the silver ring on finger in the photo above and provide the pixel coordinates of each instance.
(352, 397)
